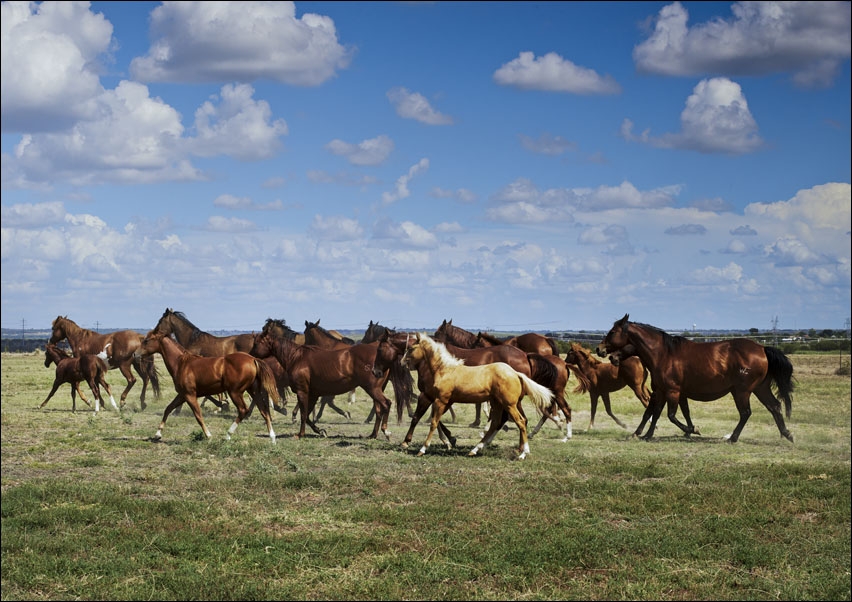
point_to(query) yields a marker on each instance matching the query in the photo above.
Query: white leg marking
(112, 401)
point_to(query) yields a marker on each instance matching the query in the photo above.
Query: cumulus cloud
(412, 105)
(744, 231)
(373, 151)
(50, 54)
(716, 119)
(217, 223)
(686, 230)
(400, 190)
(406, 233)
(553, 73)
(240, 41)
(809, 39)
(335, 228)
(824, 206)
(26, 215)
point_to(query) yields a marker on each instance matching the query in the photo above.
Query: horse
(599, 379)
(194, 375)
(314, 372)
(531, 342)
(74, 370)
(682, 369)
(121, 344)
(199, 342)
(457, 337)
(320, 337)
(375, 332)
(453, 381)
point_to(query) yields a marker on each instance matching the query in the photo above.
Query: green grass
(92, 508)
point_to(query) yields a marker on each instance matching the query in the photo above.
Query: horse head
(616, 338)
(59, 330)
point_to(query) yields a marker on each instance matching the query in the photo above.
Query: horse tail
(780, 372)
(403, 386)
(585, 384)
(542, 370)
(540, 394)
(145, 366)
(553, 346)
(267, 380)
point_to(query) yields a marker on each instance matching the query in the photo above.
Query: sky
(512, 166)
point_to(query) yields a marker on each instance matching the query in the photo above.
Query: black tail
(146, 368)
(781, 374)
(403, 386)
(543, 371)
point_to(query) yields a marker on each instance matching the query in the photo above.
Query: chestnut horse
(74, 370)
(122, 345)
(314, 372)
(682, 369)
(599, 379)
(453, 381)
(325, 339)
(195, 375)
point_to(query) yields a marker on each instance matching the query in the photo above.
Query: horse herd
(453, 366)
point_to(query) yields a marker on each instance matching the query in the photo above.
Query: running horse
(454, 382)
(537, 346)
(74, 370)
(682, 369)
(599, 379)
(121, 346)
(375, 332)
(328, 339)
(194, 375)
(314, 372)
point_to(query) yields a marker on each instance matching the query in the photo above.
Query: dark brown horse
(314, 372)
(599, 379)
(195, 375)
(74, 370)
(682, 369)
(375, 332)
(318, 336)
(122, 345)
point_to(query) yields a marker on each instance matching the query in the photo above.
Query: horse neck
(185, 331)
(172, 354)
(649, 344)
(461, 337)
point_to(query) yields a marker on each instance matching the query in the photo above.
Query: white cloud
(411, 105)
(240, 41)
(49, 72)
(217, 223)
(400, 190)
(824, 206)
(546, 144)
(808, 38)
(716, 119)
(373, 151)
(335, 228)
(25, 215)
(553, 73)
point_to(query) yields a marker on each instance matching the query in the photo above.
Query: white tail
(540, 394)
(103, 354)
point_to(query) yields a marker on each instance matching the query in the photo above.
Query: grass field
(92, 508)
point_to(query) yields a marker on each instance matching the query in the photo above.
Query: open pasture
(94, 508)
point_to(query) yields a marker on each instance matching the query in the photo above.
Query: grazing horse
(453, 381)
(195, 375)
(599, 379)
(457, 337)
(314, 372)
(682, 369)
(121, 346)
(74, 370)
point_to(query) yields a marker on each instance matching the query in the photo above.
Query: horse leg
(438, 408)
(518, 417)
(423, 404)
(56, 384)
(382, 405)
(192, 402)
(78, 386)
(496, 423)
(771, 403)
(688, 428)
(559, 402)
(176, 402)
(334, 407)
(477, 420)
(655, 408)
(594, 408)
(131, 380)
(608, 408)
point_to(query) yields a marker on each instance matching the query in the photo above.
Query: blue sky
(510, 166)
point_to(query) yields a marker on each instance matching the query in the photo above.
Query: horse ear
(417, 336)
(450, 322)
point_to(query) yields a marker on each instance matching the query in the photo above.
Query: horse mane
(442, 355)
(490, 338)
(280, 324)
(327, 333)
(577, 348)
(671, 342)
(196, 331)
(465, 337)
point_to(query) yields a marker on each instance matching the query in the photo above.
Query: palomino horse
(682, 369)
(455, 338)
(74, 370)
(599, 379)
(195, 375)
(314, 372)
(497, 383)
(122, 345)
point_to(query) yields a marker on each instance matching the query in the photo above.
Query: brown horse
(531, 342)
(328, 339)
(314, 372)
(497, 383)
(74, 370)
(195, 375)
(599, 379)
(376, 331)
(122, 345)
(682, 369)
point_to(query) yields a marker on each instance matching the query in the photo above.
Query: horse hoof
(420, 453)
(453, 441)
(473, 425)
(404, 445)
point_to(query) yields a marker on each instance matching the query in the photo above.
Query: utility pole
(775, 331)
(23, 328)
